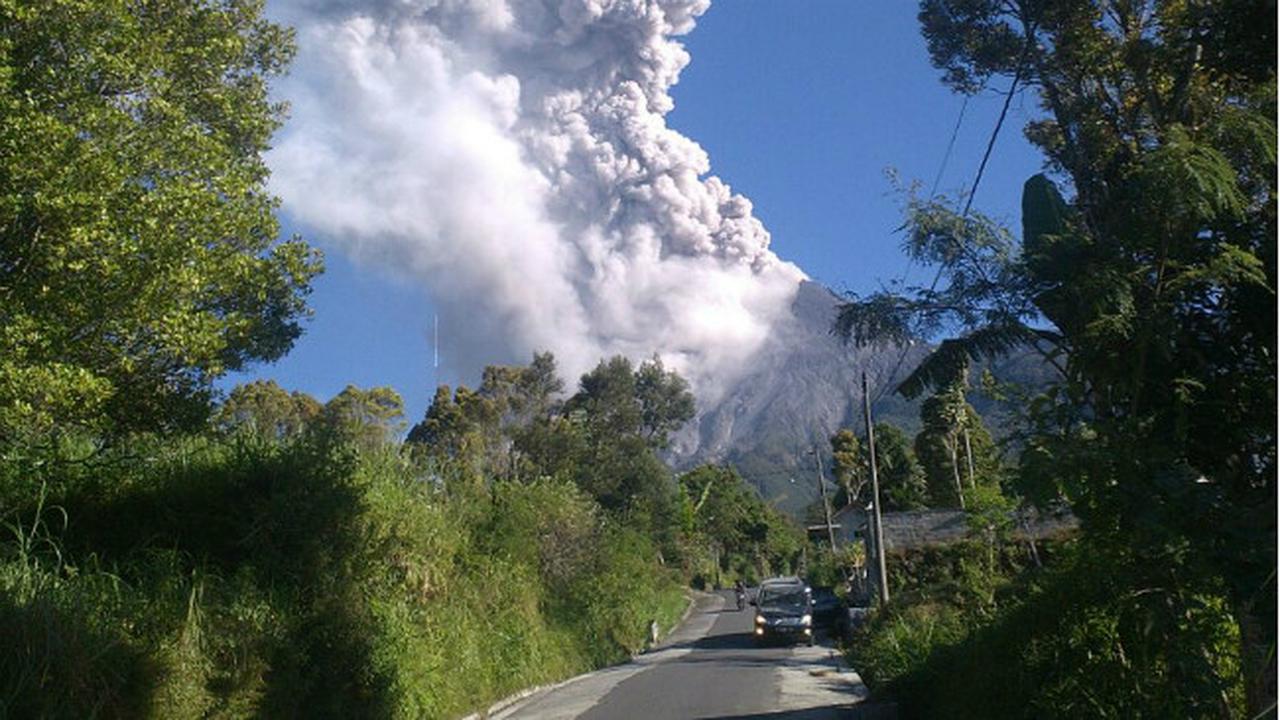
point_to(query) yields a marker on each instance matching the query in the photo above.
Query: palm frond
(949, 360)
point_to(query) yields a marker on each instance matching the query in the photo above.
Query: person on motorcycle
(740, 591)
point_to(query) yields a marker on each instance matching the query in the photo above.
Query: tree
(954, 447)
(486, 429)
(1151, 288)
(265, 409)
(648, 402)
(624, 416)
(749, 537)
(445, 429)
(138, 252)
(522, 393)
(849, 467)
(902, 484)
(665, 401)
(368, 417)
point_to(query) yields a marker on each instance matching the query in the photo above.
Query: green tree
(522, 393)
(445, 429)
(264, 408)
(139, 258)
(490, 428)
(370, 417)
(902, 483)
(954, 447)
(665, 401)
(849, 467)
(1151, 288)
(748, 537)
(625, 415)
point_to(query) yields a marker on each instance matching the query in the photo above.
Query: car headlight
(759, 619)
(807, 619)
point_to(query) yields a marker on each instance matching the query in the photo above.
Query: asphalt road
(709, 668)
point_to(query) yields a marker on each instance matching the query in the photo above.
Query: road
(709, 668)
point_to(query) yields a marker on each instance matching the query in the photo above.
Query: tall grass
(1076, 639)
(237, 577)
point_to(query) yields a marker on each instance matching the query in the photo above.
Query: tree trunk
(1258, 658)
(955, 470)
(968, 455)
(1031, 542)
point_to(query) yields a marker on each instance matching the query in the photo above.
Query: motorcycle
(742, 598)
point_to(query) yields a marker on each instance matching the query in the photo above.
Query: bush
(244, 576)
(1084, 638)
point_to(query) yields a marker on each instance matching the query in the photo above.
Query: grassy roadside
(226, 578)
(964, 638)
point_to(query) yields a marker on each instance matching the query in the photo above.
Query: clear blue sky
(802, 107)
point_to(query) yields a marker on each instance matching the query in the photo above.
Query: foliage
(1071, 641)
(750, 540)
(139, 259)
(954, 447)
(901, 478)
(371, 417)
(621, 416)
(264, 408)
(827, 569)
(1151, 289)
(849, 468)
(256, 576)
(486, 429)
(902, 483)
(604, 437)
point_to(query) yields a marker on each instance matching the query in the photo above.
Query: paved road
(709, 668)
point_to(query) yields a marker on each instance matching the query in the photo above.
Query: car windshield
(788, 599)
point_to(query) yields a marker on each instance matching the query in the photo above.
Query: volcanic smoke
(512, 156)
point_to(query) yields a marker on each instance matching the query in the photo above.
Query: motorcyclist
(740, 591)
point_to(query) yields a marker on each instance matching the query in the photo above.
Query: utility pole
(826, 505)
(968, 454)
(882, 579)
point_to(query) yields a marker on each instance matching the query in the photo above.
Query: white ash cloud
(513, 157)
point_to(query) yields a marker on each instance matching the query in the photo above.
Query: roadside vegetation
(311, 575)
(1146, 276)
(297, 558)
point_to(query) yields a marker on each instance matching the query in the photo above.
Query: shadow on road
(737, 641)
(862, 711)
(724, 641)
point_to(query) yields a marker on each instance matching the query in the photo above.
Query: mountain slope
(799, 392)
(805, 388)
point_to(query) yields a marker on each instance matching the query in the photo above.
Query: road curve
(709, 668)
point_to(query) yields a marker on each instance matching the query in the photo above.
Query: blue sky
(802, 107)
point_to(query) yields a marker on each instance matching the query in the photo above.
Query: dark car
(827, 608)
(784, 611)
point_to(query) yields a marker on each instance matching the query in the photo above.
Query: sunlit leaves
(139, 244)
(1152, 286)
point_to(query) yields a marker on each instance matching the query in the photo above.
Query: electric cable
(973, 189)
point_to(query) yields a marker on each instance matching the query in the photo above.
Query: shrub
(282, 577)
(1083, 638)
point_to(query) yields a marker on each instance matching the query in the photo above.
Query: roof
(792, 580)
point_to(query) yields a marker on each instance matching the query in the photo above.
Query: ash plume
(513, 157)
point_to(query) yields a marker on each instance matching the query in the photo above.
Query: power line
(933, 192)
(1004, 111)
(942, 168)
(951, 144)
(973, 189)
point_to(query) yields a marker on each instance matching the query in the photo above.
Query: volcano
(806, 385)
